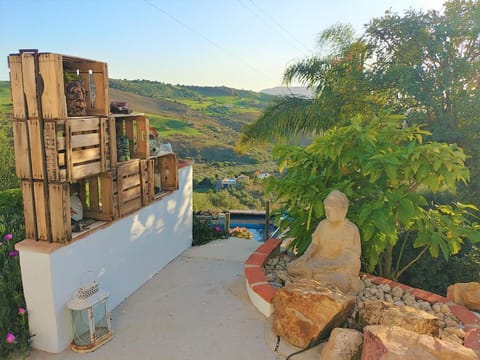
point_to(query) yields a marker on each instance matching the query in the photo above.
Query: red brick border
(257, 282)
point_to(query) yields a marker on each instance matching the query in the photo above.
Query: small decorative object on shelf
(90, 319)
(119, 107)
(75, 94)
(123, 148)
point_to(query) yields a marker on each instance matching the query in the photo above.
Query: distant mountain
(284, 90)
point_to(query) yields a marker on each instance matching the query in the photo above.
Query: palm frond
(289, 116)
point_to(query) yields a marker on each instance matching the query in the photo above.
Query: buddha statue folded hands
(334, 253)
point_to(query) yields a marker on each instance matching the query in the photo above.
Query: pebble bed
(451, 329)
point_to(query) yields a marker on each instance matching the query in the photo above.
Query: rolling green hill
(201, 123)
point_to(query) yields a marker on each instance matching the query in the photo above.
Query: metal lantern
(90, 319)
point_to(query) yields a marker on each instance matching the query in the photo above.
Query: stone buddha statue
(334, 253)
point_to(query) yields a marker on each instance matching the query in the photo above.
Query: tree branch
(406, 267)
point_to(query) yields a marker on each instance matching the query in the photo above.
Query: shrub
(14, 332)
(8, 178)
(435, 275)
(204, 231)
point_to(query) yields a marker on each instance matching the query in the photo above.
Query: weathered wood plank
(29, 210)
(169, 171)
(106, 186)
(83, 140)
(16, 86)
(143, 142)
(54, 105)
(83, 171)
(131, 206)
(36, 148)
(68, 151)
(85, 124)
(103, 145)
(100, 78)
(128, 168)
(59, 198)
(131, 194)
(29, 85)
(112, 142)
(41, 204)
(22, 155)
(131, 181)
(86, 155)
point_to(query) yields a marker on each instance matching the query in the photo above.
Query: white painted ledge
(120, 257)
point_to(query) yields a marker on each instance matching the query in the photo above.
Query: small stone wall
(261, 292)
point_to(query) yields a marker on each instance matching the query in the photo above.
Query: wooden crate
(146, 171)
(52, 68)
(166, 171)
(77, 148)
(97, 194)
(46, 211)
(129, 187)
(136, 129)
(27, 139)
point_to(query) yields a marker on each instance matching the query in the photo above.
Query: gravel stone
(451, 329)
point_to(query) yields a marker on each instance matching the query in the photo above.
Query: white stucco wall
(120, 257)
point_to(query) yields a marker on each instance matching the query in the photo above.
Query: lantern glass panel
(81, 327)
(100, 317)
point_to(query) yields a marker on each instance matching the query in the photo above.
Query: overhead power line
(278, 27)
(210, 41)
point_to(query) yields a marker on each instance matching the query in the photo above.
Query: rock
(444, 308)
(368, 283)
(397, 292)
(395, 343)
(283, 275)
(466, 294)
(425, 306)
(452, 338)
(407, 317)
(409, 299)
(272, 277)
(306, 310)
(385, 288)
(437, 307)
(451, 322)
(343, 344)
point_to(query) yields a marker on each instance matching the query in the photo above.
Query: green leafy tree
(385, 170)
(336, 77)
(429, 62)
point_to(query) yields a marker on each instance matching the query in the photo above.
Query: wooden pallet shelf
(63, 159)
(136, 129)
(165, 172)
(72, 149)
(52, 69)
(46, 211)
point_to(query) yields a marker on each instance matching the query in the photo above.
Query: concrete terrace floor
(196, 307)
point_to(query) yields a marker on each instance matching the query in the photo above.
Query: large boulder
(407, 317)
(395, 343)
(343, 344)
(307, 310)
(466, 294)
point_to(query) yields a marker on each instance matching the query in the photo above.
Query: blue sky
(245, 44)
